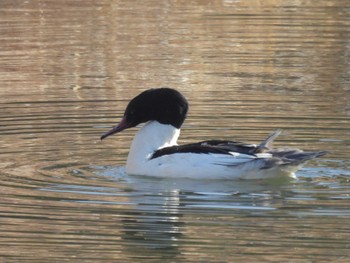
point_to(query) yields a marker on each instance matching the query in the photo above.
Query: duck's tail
(298, 157)
(267, 143)
(285, 156)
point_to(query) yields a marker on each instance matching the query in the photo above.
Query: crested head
(165, 105)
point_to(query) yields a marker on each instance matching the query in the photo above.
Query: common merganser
(154, 150)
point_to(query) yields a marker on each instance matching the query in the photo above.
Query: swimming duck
(154, 150)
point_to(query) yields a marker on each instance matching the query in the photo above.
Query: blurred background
(67, 70)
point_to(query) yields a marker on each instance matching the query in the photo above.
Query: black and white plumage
(154, 150)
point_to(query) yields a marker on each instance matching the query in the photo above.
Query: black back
(212, 146)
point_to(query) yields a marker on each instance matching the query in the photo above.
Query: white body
(154, 135)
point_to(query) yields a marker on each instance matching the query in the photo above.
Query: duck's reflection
(154, 225)
(157, 222)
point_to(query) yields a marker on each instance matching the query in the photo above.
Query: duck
(154, 150)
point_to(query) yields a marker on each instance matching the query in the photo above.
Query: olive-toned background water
(68, 69)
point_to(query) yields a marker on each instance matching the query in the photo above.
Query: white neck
(151, 137)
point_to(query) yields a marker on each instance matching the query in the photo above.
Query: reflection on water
(68, 69)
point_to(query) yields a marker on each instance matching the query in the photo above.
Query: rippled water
(68, 68)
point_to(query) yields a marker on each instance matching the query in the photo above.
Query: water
(68, 68)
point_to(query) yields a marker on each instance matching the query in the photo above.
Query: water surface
(68, 69)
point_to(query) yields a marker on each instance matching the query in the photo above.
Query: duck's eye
(131, 113)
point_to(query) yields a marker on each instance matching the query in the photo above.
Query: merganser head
(165, 105)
